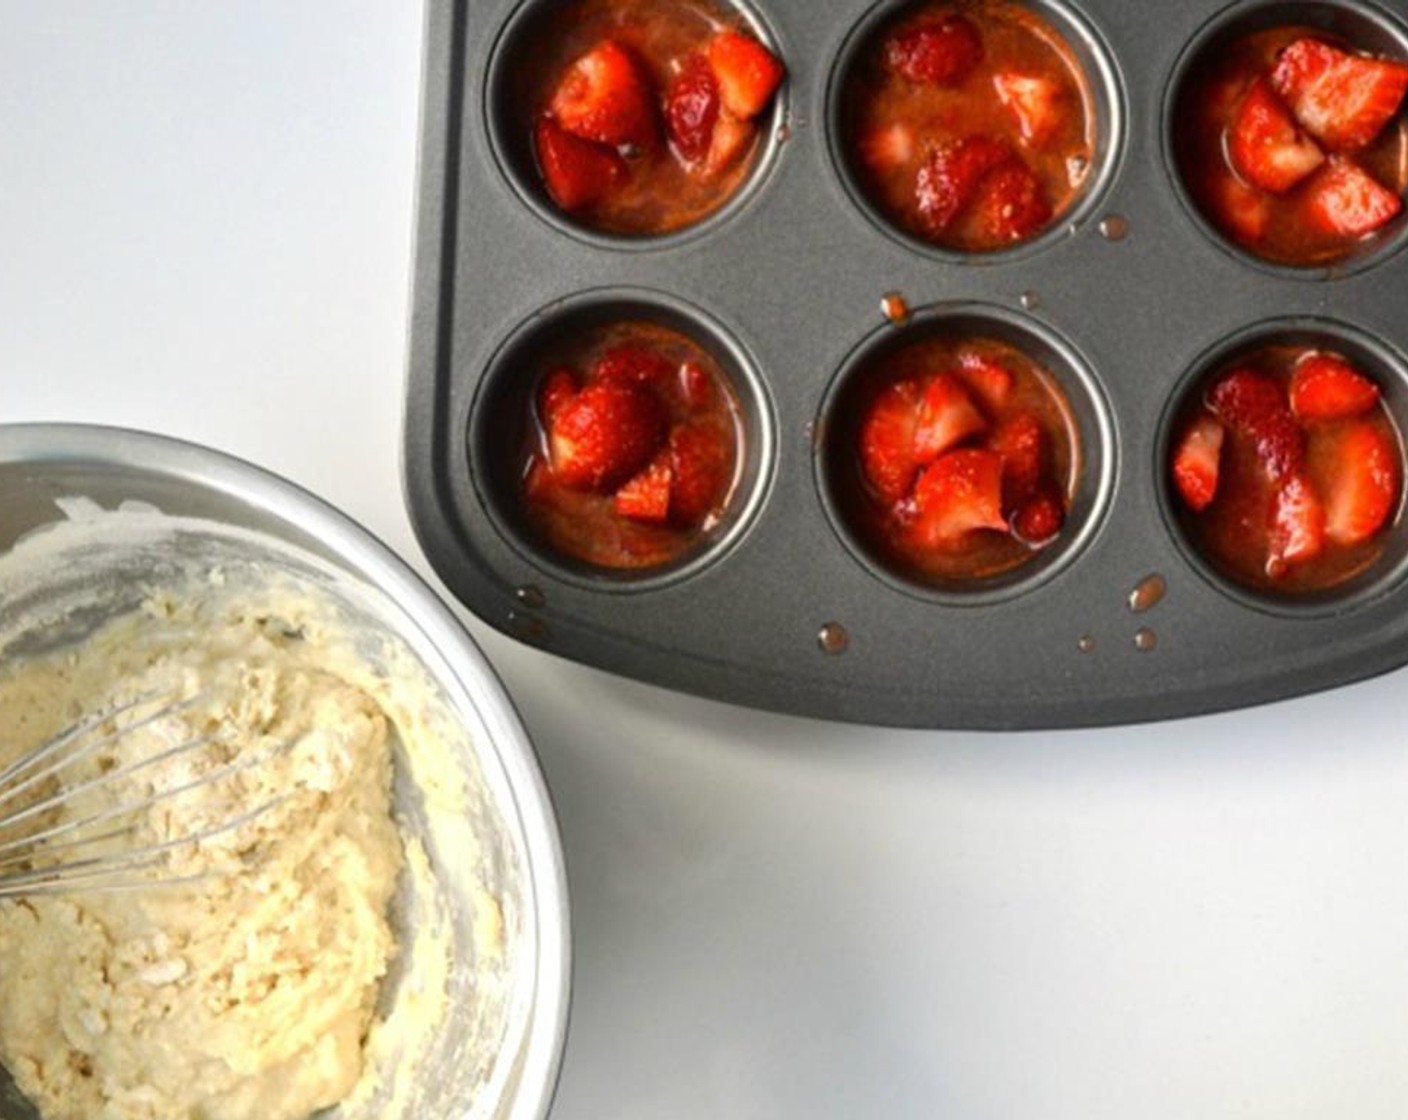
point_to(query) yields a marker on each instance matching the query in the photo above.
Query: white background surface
(205, 215)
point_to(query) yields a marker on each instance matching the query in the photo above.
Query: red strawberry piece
(888, 147)
(1020, 441)
(696, 385)
(1223, 98)
(991, 382)
(733, 139)
(1012, 204)
(1036, 102)
(1253, 405)
(1197, 463)
(947, 416)
(748, 73)
(1326, 387)
(633, 365)
(605, 97)
(604, 435)
(646, 497)
(703, 470)
(1266, 147)
(1362, 490)
(948, 181)
(1346, 201)
(939, 52)
(1297, 526)
(1242, 211)
(887, 440)
(537, 483)
(959, 493)
(692, 108)
(577, 173)
(1343, 99)
(554, 394)
(1040, 520)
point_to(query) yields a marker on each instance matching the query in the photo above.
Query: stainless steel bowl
(513, 823)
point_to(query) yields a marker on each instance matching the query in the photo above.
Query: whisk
(86, 852)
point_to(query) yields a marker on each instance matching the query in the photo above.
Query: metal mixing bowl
(491, 1059)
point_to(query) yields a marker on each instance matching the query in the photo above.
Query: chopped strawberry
(959, 493)
(558, 388)
(1326, 387)
(1343, 99)
(1254, 405)
(991, 382)
(1266, 147)
(1035, 101)
(748, 73)
(948, 181)
(1197, 463)
(1345, 200)
(1362, 490)
(1020, 441)
(947, 416)
(692, 109)
(887, 440)
(702, 472)
(696, 385)
(1297, 526)
(633, 365)
(646, 497)
(1243, 211)
(939, 52)
(1012, 204)
(1223, 97)
(1040, 519)
(604, 96)
(578, 174)
(538, 481)
(604, 435)
(732, 140)
(889, 147)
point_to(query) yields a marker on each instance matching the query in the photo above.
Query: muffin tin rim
(1372, 256)
(1107, 85)
(1218, 355)
(1016, 584)
(749, 191)
(754, 397)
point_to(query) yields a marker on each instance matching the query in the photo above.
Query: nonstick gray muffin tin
(1130, 302)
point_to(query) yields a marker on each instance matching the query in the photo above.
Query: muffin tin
(1130, 302)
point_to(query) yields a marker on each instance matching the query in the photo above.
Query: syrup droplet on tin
(1149, 594)
(784, 133)
(1086, 643)
(531, 597)
(1030, 301)
(1114, 228)
(894, 307)
(1146, 641)
(833, 639)
(527, 628)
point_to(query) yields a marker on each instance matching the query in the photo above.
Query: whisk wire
(119, 811)
(67, 849)
(70, 794)
(96, 867)
(74, 735)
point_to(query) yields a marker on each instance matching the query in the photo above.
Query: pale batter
(250, 994)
